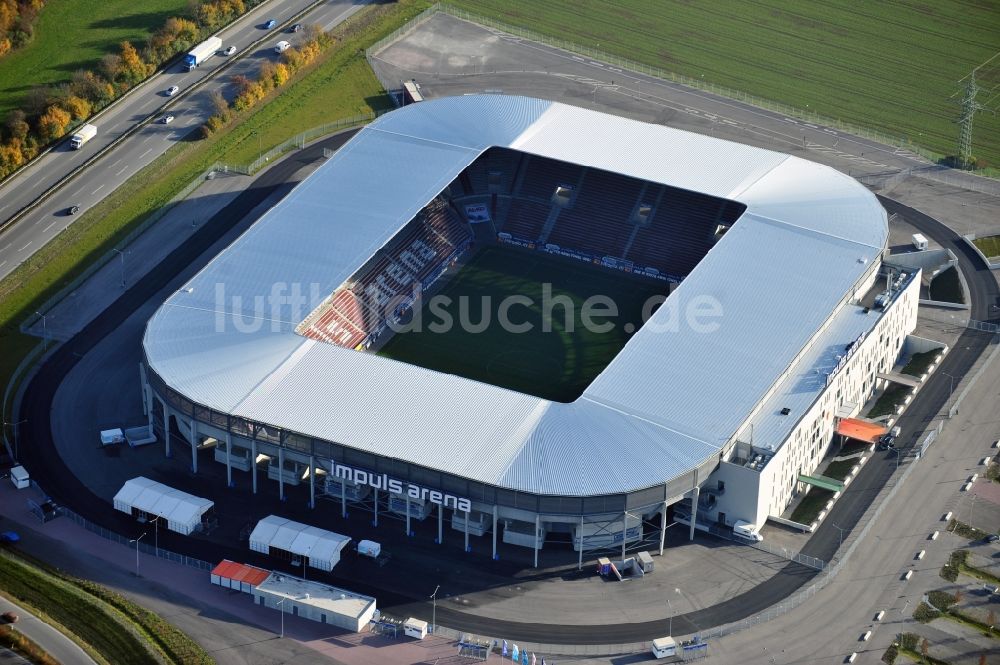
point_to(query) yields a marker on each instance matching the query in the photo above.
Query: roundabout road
(40, 455)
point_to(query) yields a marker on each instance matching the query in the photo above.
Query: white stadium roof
(807, 237)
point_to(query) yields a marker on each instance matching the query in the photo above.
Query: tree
(220, 105)
(11, 156)
(92, 87)
(53, 123)
(78, 107)
(17, 124)
(925, 646)
(281, 74)
(133, 68)
(111, 66)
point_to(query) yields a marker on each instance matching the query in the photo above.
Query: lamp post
(121, 255)
(951, 390)
(136, 541)
(156, 535)
(14, 425)
(45, 335)
(841, 530)
(282, 610)
(896, 450)
(670, 626)
(434, 609)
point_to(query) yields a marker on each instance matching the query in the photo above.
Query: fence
(145, 548)
(980, 183)
(297, 142)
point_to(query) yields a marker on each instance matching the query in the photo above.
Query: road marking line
(145, 153)
(51, 224)
(98, 189)
(2, 263)
(6, 248)
(25, 247)
(123, 170)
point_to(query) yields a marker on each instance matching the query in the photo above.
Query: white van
(281, 47)
(664, 647)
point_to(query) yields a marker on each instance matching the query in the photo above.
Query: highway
(145, 104)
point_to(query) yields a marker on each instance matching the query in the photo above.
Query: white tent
(321, 548)
(181, 510)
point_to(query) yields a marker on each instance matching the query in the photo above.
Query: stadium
(754, 316)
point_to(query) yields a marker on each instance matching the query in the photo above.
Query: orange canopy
(862, 430)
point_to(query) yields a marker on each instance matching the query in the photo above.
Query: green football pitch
(547, 350)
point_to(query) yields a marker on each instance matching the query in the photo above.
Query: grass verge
(93, 623)
(893, 395)
(811, 505)
(338, 85)
(988, 245)
(23, 646)
(919, 362)
(839, 470)
(165, 640)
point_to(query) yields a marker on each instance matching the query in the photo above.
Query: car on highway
(171, 91)
(166, 120)
(296, 28)
(281, 46)
(9, 537)
(10, 617)
(270, 24)
(72, 210)
(229, 50)
(991, 538)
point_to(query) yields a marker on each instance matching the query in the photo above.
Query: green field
(888, 66)
(556, 364)
(75, 34)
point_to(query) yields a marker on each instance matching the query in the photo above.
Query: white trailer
(202, 52)
(919, 241)
(82, 135)
(664, 647)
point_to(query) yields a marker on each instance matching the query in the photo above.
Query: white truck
(82, 135)
(747, 530)
(202, 52)
(919, 241)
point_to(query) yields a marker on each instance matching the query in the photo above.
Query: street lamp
(434, 610)
(136, 541)
(951, 390)
(45, 335)
(898, 455)
(121, 254)
(282, 610)
(156, 534)
(14, 425)
(841, 530)
(670, 626)
(972, 507)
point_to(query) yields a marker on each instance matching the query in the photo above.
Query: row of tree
(250, 91)
(17, 23)
(48, 112)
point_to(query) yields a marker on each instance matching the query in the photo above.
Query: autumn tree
(52, 124)
(133, 69)
(78, 107)
(111, 66)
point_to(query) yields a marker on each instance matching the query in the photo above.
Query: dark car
(10, 537)
(10, 617)
(992, 538)
(270, 24)
(72, 210)
(296, 28)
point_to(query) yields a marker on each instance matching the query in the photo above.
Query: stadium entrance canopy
(275, 535)
(862, 430)
(182, 511)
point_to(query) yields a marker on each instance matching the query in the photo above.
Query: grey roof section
(676, 396)
(807, 381)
